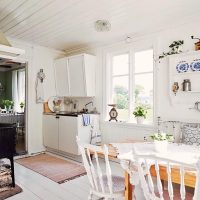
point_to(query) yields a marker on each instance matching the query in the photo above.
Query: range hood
(7, 51)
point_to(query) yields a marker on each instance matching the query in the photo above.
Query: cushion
(191, 135)
(118, 184)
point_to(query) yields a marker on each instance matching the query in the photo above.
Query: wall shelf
(187, 73)
(184, 97)
(188, 92)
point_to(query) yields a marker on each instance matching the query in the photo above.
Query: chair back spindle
(100, 178)
(145, 162)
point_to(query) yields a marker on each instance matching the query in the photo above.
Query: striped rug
(56, 169)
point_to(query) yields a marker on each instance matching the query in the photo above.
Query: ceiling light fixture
(102, 26)
(128, 39)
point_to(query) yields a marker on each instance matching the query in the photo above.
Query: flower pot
(140, 120)
(161, 146)
(22, 109)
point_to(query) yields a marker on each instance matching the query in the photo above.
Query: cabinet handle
(57, 117)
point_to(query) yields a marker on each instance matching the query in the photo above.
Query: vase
(140, 120)
(161, 146)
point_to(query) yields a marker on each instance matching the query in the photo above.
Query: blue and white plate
(195, 65)
(182, 66)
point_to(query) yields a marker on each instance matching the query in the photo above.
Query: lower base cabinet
(50, 131)
(60, 132)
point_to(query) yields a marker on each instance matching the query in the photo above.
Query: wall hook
(196, 106)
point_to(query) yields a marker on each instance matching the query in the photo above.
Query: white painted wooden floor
(37, 187)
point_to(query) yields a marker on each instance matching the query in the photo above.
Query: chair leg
(12, 171)
(90, 196)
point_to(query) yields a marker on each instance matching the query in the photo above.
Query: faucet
(91, 102)
(87, 105)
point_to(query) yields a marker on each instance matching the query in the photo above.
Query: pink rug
(10, 192)
(54, 168)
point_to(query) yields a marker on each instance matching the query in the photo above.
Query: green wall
(6, 80)
(8, 85)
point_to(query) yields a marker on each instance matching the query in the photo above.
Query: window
(132, 83)
(18, 88)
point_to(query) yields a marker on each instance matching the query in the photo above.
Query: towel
(39, 91)
(86, 119)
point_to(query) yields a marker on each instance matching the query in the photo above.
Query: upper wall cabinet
(75, 76)
(61, 77)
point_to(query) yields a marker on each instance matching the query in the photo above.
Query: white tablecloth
(187, 154)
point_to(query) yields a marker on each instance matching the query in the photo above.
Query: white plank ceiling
(69, 24)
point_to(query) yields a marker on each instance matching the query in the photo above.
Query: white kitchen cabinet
(50, 131)
(67, 134)
(69, 128)
(75, 76)
(61, 77)
(60, 133)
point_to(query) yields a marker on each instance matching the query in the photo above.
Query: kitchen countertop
(71, 114)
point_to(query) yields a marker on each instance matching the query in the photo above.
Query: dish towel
(86, 119)
(39, 91)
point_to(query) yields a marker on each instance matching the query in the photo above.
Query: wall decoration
(195, 65)
(175, 87)
(184, 71)
(39, 87)
(197, 44)
(174, 49)
(182, 66)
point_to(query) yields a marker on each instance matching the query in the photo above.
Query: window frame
(131, 50)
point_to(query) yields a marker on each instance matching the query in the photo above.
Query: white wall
(113, 132)
(163, 106)
(37, 57)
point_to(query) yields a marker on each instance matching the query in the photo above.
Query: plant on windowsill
(174, 49)
(161, 141)
(140, 114)
(7, 104)
(22, 105)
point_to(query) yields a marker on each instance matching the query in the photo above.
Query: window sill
(128, 124)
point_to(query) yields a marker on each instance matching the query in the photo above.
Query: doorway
(13, 100)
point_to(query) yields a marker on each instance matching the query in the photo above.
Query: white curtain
(18, 88)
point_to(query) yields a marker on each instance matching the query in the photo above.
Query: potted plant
(22, 104)
(7, 104)
(11, 104)
(140, 114)
(161, 141)
(175, 48)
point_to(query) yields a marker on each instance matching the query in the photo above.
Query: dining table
(188, 154)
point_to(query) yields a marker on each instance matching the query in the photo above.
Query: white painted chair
(103, 185)
(148, 184)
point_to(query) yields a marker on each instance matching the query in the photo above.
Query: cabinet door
(67, 134)
(76, 76)
(50, 131)
(61, 77)
(89, 65)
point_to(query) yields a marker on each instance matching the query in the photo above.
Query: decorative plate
(50, 102)
(182, 66)
(195, 65)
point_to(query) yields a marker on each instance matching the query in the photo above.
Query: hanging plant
(174, 49)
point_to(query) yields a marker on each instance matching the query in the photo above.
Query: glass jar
(186, 85)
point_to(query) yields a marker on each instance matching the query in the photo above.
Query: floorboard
(38, 187)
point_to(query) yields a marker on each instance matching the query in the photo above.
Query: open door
(13, 99)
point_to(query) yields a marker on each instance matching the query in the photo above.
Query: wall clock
(113, 112)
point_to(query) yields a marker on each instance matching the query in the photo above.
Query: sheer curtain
(18, 88)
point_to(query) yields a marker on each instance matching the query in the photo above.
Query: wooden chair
(103, 185)
(148, 183)
(7, 145)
